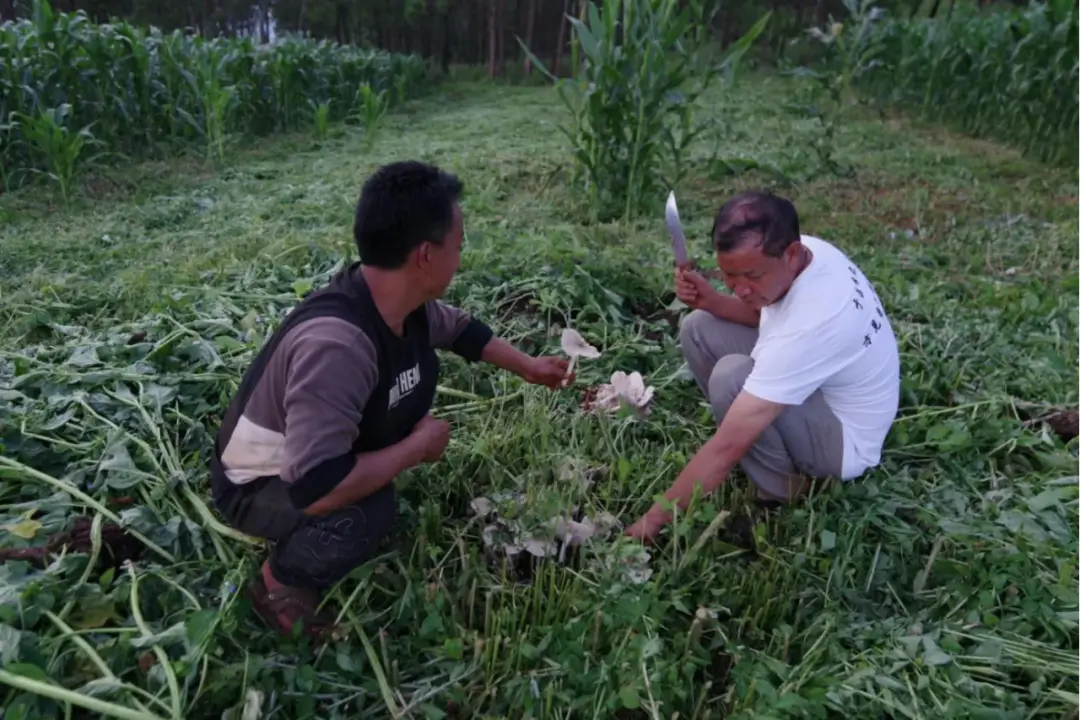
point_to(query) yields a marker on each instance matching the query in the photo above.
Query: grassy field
(942, 585)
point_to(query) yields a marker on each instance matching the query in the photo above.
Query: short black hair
(402, 205)
(757, 218)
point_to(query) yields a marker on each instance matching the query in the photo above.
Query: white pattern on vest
(406, 383)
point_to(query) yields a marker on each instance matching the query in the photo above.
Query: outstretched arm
(456, 330)
(710, 466)
(549, 371)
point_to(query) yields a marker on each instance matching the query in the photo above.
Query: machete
(678, 240)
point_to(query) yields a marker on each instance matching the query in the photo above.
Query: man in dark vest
(336, 404)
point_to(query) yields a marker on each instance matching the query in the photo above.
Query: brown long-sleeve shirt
(307, 405)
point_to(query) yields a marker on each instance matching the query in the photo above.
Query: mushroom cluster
(505, 535)
(624, 390)
(508, 540)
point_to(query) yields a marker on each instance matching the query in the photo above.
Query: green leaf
(26, 528)
(9, 644)
(28, 670)
(455, 649)
(432, 625)
(199, 626)
(827, 540)
(629, 698)
(934, 655)
(302, 287)
(85, 356)
(585, 37)
(1050, 498)
(95, 611)
(120, 470)
(345, 661)
(431, 712)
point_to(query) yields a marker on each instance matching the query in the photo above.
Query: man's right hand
(692, 289)
(432, 436)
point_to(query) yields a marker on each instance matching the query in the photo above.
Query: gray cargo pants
(805, 440)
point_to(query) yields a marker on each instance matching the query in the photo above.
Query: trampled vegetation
(943, 584)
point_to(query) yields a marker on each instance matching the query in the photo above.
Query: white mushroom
(572, 532)
(482, 506)
(575, 346)
(539, 548)
(632, 389)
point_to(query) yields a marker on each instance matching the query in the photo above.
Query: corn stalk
(639, 68)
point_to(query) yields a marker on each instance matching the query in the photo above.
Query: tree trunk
(264, 21)
(501, 69)
(560, 42)
(446, 42)
(530, 23)
(493, 37)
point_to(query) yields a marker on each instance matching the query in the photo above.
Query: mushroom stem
(569, 370)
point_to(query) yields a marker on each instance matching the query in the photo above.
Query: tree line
(448, 32)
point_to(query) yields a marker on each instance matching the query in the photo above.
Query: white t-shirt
(831, 332)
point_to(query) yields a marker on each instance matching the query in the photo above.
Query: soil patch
(1065, 422)
(117, 546)
(656, 316)
(519, 305)
(739, 531)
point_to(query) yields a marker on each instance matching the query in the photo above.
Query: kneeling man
(336, 404)
(801, 366)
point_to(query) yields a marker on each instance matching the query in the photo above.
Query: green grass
(942, 585)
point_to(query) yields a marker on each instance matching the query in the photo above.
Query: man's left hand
(548, 371)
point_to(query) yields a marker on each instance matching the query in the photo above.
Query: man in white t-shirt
(801, 366)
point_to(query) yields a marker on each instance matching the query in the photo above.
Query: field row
(74, 94)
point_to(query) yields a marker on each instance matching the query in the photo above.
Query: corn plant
(1009, 75)
(57, 146)
(370, 107)
(7, 136)
(850, 49)
(147, 91)
(639, 67)
(320, 115)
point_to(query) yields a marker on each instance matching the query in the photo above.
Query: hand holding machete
(691, 285)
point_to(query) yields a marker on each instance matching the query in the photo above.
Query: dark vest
(408, 366)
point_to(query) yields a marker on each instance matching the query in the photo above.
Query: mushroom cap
(632, 388)
(575, 346)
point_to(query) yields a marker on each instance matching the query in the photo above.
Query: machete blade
(678, 240)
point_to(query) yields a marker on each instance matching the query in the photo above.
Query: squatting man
(800, 367)
(336, 404)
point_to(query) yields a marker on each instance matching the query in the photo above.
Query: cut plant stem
(63, 695)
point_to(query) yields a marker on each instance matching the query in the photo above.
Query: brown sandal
(294, 604)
